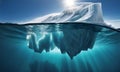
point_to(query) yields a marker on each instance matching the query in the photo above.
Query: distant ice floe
(113, 23)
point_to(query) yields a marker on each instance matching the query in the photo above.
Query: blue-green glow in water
(15, 56)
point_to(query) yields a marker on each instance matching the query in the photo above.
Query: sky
(26, 10)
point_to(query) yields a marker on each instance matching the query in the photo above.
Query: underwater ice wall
(59, 30)
(69, 40)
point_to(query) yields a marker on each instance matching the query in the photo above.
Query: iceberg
(84, 12)
(71, 30)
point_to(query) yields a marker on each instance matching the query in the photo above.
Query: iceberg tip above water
(84, 12)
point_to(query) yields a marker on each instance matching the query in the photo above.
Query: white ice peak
(83, 12)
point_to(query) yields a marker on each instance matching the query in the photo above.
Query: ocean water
(16, 56)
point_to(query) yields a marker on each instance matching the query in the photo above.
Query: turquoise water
(16, 56)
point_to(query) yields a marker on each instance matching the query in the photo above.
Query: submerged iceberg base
(70, 41)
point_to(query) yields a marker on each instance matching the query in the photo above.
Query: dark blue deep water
(16, 56)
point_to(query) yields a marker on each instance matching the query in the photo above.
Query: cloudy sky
(25, 10)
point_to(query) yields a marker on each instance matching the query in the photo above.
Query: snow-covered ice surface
(83, 12)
